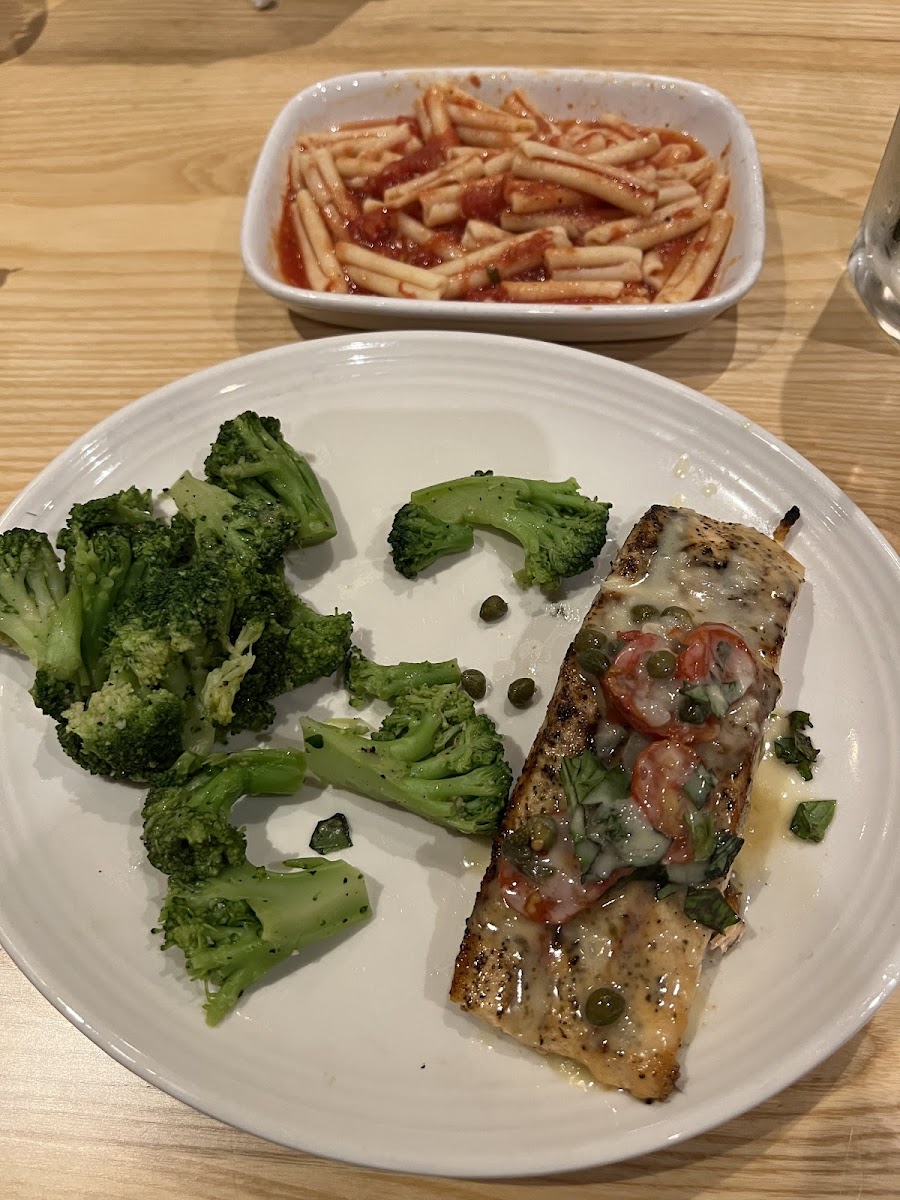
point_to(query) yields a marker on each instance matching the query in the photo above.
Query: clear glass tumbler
(874, 263)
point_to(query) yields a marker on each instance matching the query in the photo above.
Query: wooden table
(127, 136)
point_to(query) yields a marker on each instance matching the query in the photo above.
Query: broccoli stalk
(238, 925)
(367, 680)
(432, 756)
(251, 459)
(39, 615)
(187, 831)
(560, 530)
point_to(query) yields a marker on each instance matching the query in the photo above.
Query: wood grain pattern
(127, 136)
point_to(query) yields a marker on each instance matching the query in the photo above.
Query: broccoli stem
(346, 759)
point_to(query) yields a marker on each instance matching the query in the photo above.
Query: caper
(587, 639)
(474, 683)
(592, 662)
(493, 608)
(542, 832)
(681, 615)
(520, 692)
(643, 612)
(604, 1006)
(661, 664)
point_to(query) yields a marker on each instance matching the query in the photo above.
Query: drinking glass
(874, 263)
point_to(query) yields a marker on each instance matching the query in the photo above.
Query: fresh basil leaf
(812, 818)
(583, 774)
(724, 853)
(702, 833)
(699, 786)
(796, 748)
(707, 906)
(331, 834)
(655, 873)
(665, 890)
(580, 774)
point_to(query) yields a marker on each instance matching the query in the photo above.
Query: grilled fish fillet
(530, 980)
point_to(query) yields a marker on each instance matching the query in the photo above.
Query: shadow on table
(195, 32)
(847, 367)
(736, 338)
(21, 24)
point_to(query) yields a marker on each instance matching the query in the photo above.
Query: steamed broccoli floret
(169, 635)
(41, 616)
(297, 646)
(124, 730)
(561, 531)
(110, 545)
(187, 831)
(418, 538)
(432, 755)
(256, 531)
(237, 926)
(367, 680)
(251, 459)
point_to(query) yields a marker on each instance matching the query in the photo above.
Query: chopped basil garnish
(493, 275)
(331, 834)
(667, 889)
(796, 748)
(702, 833)
(812, 818)
(582, 774)
(724, 853)
(707, 906)
(699, 786)
(713, 698)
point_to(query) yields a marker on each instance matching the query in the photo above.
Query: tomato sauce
(487, 199)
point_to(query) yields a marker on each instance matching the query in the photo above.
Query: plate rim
(220, 1108)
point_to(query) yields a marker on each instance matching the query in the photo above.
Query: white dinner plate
(355, 1052)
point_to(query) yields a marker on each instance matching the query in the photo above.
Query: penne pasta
(460, 198)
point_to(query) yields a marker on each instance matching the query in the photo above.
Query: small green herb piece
(604, 1006)
(699, 786)
(707, 906)
(666, 890)
(724, 853)
(493, 608)
(812, 818)
(702, 833)
(796, 748)
(331, 834)
(582, 774)
(474, 683)
(493, 275)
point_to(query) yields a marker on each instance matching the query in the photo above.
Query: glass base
(871, 279)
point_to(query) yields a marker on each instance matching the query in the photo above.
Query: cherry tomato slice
(648, 704)
(716, 654)
(555, 900)
(657, 787)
